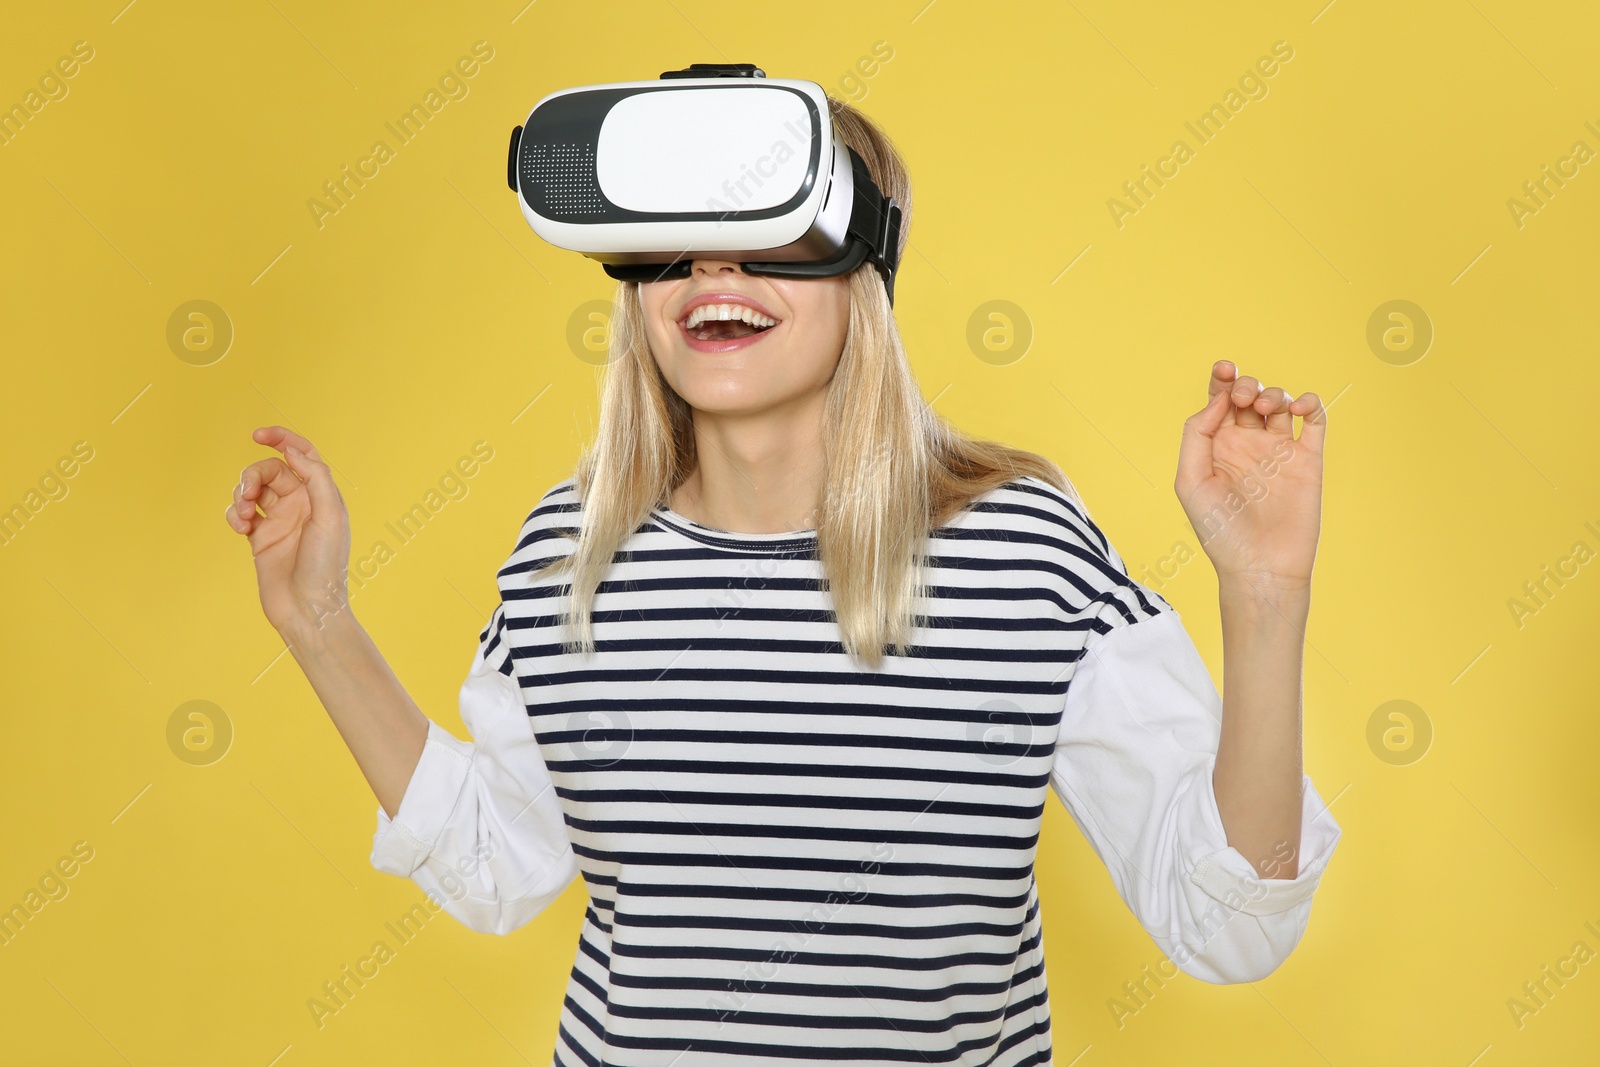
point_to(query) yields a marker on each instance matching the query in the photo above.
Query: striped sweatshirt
(793, 860)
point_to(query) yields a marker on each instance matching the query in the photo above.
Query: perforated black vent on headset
(562, 179)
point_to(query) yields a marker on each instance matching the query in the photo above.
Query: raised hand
(1251, 489)
(300, 538)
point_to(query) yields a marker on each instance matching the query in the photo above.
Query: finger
(1223, 374)
(268, 480)
(1245, 392)
(280, 438)
(258, 475)
(1273, 403)
(1314, 424)
(1194, 451)
(241, 514)
(325, 499)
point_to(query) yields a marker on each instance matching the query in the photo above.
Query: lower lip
(733, 344)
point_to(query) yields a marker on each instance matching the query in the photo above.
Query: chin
(729, 398)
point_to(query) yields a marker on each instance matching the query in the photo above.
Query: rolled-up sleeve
(480, 827)
(1134, 765)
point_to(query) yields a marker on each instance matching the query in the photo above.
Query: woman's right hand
(301, 537)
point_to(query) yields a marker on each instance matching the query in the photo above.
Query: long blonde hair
(895, 468)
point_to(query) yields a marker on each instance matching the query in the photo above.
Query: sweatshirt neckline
(791, 541)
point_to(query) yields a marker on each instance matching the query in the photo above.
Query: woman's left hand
(1251, 489)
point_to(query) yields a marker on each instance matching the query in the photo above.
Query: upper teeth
(727, 311)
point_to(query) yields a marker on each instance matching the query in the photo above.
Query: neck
(756, 473)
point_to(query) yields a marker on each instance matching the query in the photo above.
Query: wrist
(1281, 591)
(318, 632)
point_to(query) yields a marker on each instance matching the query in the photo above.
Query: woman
(787, 669)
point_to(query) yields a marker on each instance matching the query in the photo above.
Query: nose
(715, 266)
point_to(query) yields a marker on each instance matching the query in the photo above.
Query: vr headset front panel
(682, 166)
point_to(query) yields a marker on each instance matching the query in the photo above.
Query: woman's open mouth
(724, 327)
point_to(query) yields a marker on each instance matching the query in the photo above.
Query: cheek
(824, 315)
(820, 344)
(832, 320)
(650, 304)
(656, 331)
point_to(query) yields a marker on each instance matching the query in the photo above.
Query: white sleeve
(1133, 766)
(480, 828)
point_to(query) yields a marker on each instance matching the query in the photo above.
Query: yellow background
(425, 316)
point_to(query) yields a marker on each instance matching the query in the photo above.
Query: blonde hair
(895, 468)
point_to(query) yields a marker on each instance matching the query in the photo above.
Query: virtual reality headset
(716, 161)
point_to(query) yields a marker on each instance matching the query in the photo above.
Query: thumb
(1194, 452)
(325, 499)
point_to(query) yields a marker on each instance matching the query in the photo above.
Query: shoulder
(1032, 506)
(1030, 511)
(548, 531)
(1053, 531)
